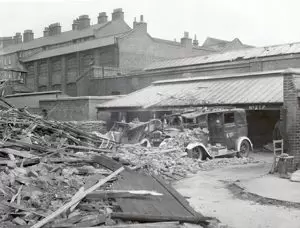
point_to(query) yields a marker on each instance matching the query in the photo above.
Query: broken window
(228, 117)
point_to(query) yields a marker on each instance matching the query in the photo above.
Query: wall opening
(261, 125)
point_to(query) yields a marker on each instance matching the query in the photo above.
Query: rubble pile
(210, 164)
(52, 175)
(29, 194)
(181, 139)
(90, 126)
(170, 164)
(43, 164)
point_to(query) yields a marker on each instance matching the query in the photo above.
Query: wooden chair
(278, 151)
(280, 162)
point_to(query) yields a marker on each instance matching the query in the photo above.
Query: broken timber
(75, 200)
(170, 207)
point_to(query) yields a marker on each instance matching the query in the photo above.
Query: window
(228, 117)
(9, 60)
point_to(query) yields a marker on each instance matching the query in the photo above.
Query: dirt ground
(208, 193)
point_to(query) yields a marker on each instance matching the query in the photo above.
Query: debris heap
(53, 174)
(170, 164)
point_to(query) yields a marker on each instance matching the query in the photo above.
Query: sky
(254, 22)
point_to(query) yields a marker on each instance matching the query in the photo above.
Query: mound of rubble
(170, 164)
(90, 126)
(53, 174)
(182, 138)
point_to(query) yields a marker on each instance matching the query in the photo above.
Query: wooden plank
(88, 148)
(23, 154)
(91, 222)
(20, 143)
(75, 200)
(142, 225)
(22, 208)
(159, 218)
(99, 195)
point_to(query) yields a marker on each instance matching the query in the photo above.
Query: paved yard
(209, 194)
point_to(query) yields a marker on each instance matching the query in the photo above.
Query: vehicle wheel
(198, 153)
(244, 149)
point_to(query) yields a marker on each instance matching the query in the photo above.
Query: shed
(260, 93)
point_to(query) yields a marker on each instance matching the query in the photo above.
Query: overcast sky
(254, 22)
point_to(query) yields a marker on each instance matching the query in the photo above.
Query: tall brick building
(70, 60)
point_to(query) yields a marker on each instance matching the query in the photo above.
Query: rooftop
(252, 88)
(56, 39)
(243, 54)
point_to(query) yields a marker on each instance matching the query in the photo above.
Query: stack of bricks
(291, 115)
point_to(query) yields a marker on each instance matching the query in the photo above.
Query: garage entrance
(260, 126)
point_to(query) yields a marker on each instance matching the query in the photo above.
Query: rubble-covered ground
(171, 164)
(43, 164)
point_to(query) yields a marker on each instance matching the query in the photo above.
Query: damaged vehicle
(145, 133)
(226, 132)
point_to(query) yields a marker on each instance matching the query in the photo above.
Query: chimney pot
(102, 18)
(83, 22)
(28, 35)
(195, 41)
(54, 29)
(75, 24)
(17, 38)
(186, 41)
(141, 25)
(186, 34)
(46, 32)
(117, 14)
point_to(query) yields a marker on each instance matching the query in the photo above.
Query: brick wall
(138, 50)
(29, 81)
(292, 116)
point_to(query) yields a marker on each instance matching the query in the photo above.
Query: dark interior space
(260, 126)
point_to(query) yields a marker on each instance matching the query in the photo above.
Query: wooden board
(170, 204)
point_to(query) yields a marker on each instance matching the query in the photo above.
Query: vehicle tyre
(198, 153)
(244, 149)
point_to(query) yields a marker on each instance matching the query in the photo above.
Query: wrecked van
(227, 132)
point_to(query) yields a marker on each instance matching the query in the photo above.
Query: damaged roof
(243, 54)
(250, 88)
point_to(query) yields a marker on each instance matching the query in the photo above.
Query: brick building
(291, 113)
(73, 61)
(259, 93)
(255, 59)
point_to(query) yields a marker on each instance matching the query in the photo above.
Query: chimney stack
(18, 38)
(141, 25)
(186, 41)
(54, 29)
(46, 32)
(75, 24)
(195, 41)
(83, 22)
(28, 35)
(117, 14)
(102, 18)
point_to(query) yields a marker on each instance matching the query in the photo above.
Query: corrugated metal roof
(72, 48)
(247, 53)
(238, 89)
